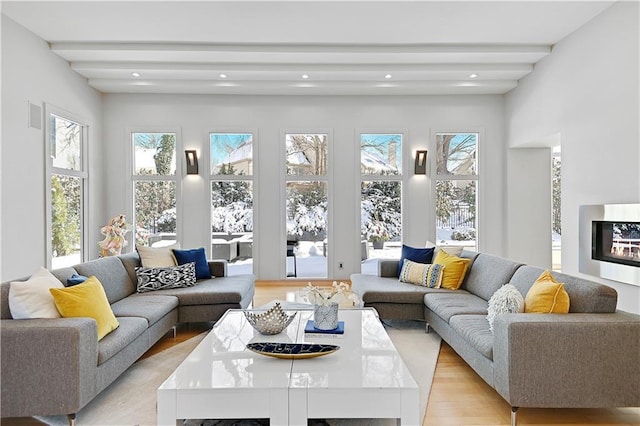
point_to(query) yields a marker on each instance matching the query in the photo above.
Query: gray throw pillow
(150, 279)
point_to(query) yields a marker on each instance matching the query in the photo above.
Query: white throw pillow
(454, 251)
(32, 299)
(506, 300)
(157, 257)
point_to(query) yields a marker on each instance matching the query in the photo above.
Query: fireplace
(610, 242)
(616, 242)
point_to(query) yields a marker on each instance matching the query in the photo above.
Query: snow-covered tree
(231, 204)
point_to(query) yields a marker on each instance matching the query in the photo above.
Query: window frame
(82, 174)
(255, 183)
(133, 178)
(453, 177)
(403, 177)
(285, 178)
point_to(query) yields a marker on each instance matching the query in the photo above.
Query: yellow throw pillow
(455, 269)
(547, 296)
(86, 300)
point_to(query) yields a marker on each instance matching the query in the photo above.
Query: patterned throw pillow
(506, 300)
(150, 279)
(423, 274)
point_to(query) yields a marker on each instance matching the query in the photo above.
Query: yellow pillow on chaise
(455, 269)
(547, 296)
(87, 299)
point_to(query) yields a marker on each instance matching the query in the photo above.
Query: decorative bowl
(270, 322)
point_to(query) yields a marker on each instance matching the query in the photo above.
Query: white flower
(337, 293)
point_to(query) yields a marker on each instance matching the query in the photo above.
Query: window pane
(154, 153)
(456, 153)
(556, 209)
(231, 207)
(306, 228)
(381, 154)
(381, 221)
(231, 153)
(155, 209)
(66, 220)
(66, 143)
(306, 154)
(456, 212)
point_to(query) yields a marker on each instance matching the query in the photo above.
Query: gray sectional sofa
(56, 366)
(588, 358)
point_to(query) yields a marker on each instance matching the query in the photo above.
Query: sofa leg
(427, 328)
(514, 415)
(174, 329)
(72, 419)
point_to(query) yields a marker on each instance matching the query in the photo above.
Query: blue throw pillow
(194, 255)
(420, 255)
(76, 279)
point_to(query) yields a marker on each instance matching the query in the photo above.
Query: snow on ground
(311, 262)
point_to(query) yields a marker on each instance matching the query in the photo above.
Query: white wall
(31, 73)
(419, 116)
(587, 94)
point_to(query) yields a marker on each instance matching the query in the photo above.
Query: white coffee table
(221, 379)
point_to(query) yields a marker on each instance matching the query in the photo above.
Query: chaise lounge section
(587, 358)
(57, 366)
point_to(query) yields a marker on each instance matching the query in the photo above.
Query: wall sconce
(421, 162)
(192, 161)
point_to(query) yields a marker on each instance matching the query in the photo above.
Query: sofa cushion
(198, 256)
(547, 296)
(455, 269)
(31, 298)
(474, 329)
(221, 290)
(424, 274)
(157, 257)
(130, 328)
(86, 300)
(585, 296)
(63, 274)
(152, 279)
(488, 273)
(152, 307)
(112, 275)
(375, 289)
(446, 305)
(420, 255)
(506, 300)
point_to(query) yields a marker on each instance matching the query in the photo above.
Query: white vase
(325, 317)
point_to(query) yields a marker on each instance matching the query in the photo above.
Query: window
(66, 189)
(232, 200)
(380, 196)
(306, 204)
(456, 187)
(154, 188)
(556, 204)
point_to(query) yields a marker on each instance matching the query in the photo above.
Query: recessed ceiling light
(223, 76)
(305, 76)
(135, 74)
(473, 76)
(387, 76)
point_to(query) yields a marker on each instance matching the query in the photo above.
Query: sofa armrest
(568, 360)
(48, 365)
(218, 267)
(388, 267)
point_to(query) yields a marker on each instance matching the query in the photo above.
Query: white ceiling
(264, 47)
